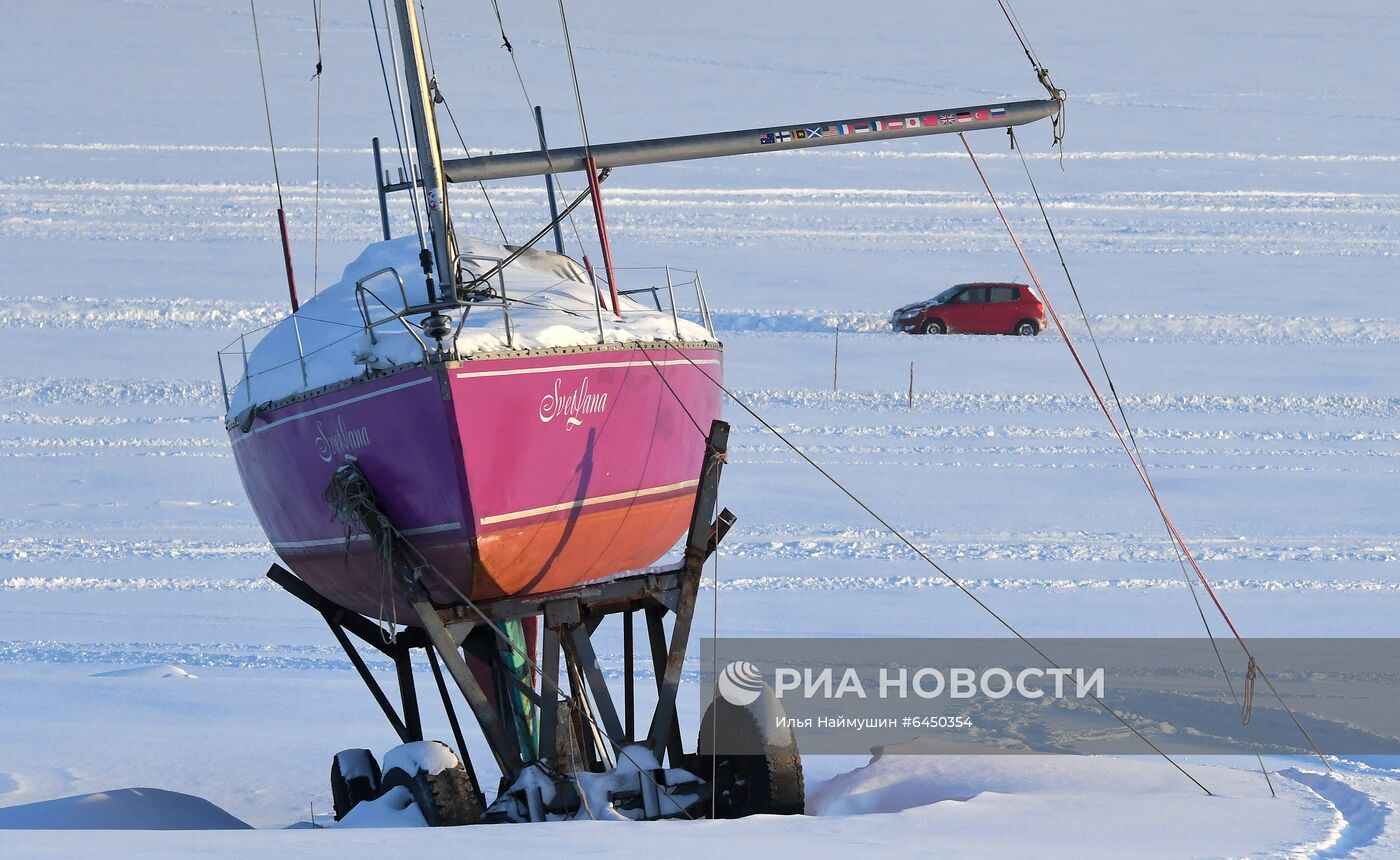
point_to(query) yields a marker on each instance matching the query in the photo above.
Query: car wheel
(1027, 328)
(934, 327)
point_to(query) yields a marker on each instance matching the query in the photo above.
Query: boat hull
(513, 473)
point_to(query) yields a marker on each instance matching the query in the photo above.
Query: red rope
(1127, 449)
(1103, 406)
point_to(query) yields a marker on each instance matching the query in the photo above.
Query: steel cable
(1122, 440)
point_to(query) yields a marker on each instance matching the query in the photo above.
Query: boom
(752, 140)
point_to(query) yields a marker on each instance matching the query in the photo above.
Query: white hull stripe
(307, 544)
(558, 368)
(595, 500)
(258, 428)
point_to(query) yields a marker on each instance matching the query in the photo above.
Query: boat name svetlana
(571, 404)
(341, 440)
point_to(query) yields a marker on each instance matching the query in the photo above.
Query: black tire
(446, 799)
(1026, 328)
(933, 327)
(362, 786)
(759, 771)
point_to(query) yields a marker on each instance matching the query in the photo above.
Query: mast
(425, 140)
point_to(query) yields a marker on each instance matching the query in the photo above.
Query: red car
(975, 309)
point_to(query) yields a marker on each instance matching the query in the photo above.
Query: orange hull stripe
(560, 553)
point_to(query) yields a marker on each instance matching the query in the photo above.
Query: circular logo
(740, 683)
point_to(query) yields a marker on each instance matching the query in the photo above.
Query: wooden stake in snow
(836, 360)
(911, 385)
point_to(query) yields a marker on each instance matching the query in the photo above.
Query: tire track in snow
(1186, 328)
(98, 443)
(1311, 405)
(1023, 431)
(53, 391)
(1244, 220)
(796, 543)
(854, 545)
(35, 419)
(101, 313)
(903, 452)
(33, 547)
(140, 583)
(58, 391)
(978, 459)
(1361, 818)
(808, 584)
(223, 655)
(64, 584)
(305, 658)
(49, 447)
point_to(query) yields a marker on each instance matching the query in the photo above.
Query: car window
(972, 295)
(1004, 294)
(945, 296)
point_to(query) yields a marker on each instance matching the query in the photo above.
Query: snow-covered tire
(446, 798)
(1026, 328)
(760, 770)
(354, 778)
(933, 327)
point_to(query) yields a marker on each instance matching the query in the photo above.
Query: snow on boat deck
(552, 306)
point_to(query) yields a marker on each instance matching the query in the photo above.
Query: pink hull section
(513, 474)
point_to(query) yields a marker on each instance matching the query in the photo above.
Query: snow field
(1230, 217)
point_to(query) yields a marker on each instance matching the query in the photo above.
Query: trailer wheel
(759, 771)
(354, 778)
(446, 798)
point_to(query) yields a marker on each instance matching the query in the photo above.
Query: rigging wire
(316, 13)
(904, 539)
(1059, 122)
(276, 174)
(530, 106)
(599, 224)
(573, 74)
(409, 147)
(1137, 465)
(399, 129)
(522, 248)
(440, 98)
(1132, 437)
(267, 107)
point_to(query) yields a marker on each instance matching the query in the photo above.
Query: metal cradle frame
(567, 660)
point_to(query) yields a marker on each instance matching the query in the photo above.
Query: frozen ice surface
(1230, 208)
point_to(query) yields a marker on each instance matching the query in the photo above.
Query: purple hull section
(511, 473)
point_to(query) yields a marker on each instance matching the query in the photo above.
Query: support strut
(571, 617)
